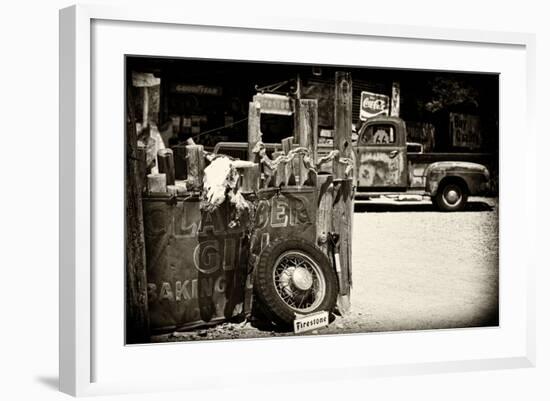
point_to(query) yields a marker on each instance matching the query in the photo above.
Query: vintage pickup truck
(387, 165)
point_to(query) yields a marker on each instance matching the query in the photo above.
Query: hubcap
(302, 278)
(452, 196)
(299, 281)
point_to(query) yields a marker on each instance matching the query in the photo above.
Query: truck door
(382, 156)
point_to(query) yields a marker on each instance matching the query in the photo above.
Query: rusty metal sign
(465, 130)
(373, 104)
(284, 213)
(270, 103)
(196, 266)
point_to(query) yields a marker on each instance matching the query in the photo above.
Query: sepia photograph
(268, 199)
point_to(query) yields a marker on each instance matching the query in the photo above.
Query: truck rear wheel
(451, 197)
(294, 277)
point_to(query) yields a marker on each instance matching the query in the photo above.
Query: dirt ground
(413, 268)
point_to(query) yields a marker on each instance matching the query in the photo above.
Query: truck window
(382, 134)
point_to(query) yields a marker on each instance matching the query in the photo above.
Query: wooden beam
(254, 133)
(324, 214)
(306, 129)
(195, 167)
(343, 186)
(342, 119)
(395, 98)
(289, 178)
(144, 79)
(165, 159)
(137, 312)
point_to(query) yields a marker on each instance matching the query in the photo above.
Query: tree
(449, 92)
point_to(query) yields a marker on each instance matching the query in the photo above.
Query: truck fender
(474, 176)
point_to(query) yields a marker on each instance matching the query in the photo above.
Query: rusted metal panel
(465, 130)
(475, 176)
(378, 168)
(284, 213)
(417, 174)
(196, 266)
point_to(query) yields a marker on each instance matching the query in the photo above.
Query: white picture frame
(82, 345)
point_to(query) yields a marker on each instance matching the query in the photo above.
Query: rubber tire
(443, 206)
(264, 288)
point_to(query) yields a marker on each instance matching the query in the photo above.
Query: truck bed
(486, 159)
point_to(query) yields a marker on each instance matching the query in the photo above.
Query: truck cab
(381, 155)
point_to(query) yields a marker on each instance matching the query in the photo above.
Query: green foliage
(448, 92)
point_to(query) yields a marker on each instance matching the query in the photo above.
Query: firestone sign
(374, 104)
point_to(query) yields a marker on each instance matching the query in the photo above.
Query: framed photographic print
(257, 191)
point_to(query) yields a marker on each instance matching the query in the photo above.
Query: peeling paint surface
(378, 168)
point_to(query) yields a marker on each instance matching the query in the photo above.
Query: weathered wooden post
(306, 127)
(180, 162)
(144, 81)
(250, 178)
(137, 312)
(254, 133)
(165, 159)
(395, 99)
(324, 214)
(195, 167)
(279, 174)
(142, 156)
(343, 186)
(289, 169)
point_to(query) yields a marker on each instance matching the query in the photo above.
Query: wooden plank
(144, 79)
(195, 167)
(250, 178)
(343, 187)
(254, 133)
(180, 162)
(142, 156)
(342, 119)
(286, 144)
(324, 214)
(145, 107)
(306, 130)
(395, 99)
(156, 183)
(137, 312)
(165, 159)
(279, 174)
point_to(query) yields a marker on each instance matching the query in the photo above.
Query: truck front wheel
(451, 197)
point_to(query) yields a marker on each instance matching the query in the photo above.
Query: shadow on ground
(51, 382)
(478, 206)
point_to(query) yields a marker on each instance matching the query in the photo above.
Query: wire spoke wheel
(299, 281)
(293, 277)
